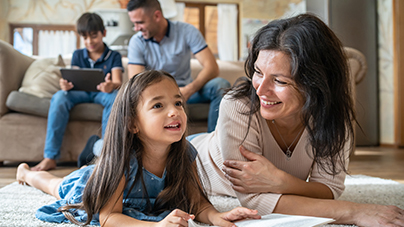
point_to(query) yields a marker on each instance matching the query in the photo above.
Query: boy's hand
(239, 213)
(106, 86)
(65, 85)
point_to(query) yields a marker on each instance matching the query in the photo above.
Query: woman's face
(277, 91)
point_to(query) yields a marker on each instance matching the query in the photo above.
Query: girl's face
(161, 116)
(277, 91)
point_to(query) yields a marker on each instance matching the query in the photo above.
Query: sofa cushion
(13, 65)
(42, 77)
(30, 104)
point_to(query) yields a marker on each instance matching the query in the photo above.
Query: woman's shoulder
(230, 101)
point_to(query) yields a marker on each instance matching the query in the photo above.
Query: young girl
(146, 174)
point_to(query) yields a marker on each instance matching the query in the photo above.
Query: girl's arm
(111, 213)
(213, 217)
(206, 213)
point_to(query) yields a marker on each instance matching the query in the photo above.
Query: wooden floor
(380, 162)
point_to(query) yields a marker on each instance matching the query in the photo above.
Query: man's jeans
(58, 116)
(211, 93)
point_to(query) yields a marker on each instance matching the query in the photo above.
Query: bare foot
(46, 164)
(22, 170)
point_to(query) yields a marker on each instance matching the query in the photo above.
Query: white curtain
(180, 12)
(227, 32)
(53, 43)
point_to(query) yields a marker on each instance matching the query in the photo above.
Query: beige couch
(23, 116)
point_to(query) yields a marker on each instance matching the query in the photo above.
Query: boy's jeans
(58, 116)
(211, 93)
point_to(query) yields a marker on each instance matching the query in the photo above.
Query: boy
(95, 55)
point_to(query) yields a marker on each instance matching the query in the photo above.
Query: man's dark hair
(147, 5)
(89, 23)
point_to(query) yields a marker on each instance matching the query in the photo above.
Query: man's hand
(65, 85)
(106, 86)
(186, 93)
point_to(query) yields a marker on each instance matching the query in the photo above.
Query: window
(33, 39)
(204, 16)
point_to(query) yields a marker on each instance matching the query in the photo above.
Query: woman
(293, 118)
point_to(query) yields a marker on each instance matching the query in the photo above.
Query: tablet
(83, 79)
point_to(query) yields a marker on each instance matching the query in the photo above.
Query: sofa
(23, 116)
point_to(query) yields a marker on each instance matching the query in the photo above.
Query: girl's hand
(257, 175)
(378, 215)
(106, 86)
(239, 213)
(65, 85)
(176, 218)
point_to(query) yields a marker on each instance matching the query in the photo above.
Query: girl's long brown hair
(183, 188)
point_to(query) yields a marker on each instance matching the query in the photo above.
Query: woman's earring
(135, 130)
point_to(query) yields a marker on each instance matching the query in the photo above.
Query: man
(161, 44)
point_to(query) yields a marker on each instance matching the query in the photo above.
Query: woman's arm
(343, 212)
(251, 172)
(259, 175)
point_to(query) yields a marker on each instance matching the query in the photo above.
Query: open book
(278, 220)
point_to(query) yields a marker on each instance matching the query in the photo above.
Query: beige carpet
(18, 203)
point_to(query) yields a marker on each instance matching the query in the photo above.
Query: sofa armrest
(13, 65)
(229, 70)
(357, 64)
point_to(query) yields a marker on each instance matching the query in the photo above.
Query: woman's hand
(176, 218)
(239, 213)
(378, 215)
(107, 86)
(256, 175)
(65, 85)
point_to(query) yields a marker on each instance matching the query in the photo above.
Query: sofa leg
(1, 163)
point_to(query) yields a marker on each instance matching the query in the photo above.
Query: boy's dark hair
(147, 5)
(89, 23)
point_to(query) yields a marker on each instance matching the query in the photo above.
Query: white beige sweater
(223, 143)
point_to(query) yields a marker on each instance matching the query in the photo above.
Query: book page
(278, 220)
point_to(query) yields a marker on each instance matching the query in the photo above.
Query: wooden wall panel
(398, 36)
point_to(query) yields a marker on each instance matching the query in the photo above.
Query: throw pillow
(42, 77)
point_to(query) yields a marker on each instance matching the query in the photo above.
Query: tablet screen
(83, 79)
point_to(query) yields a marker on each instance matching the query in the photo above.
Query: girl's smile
(162, 119)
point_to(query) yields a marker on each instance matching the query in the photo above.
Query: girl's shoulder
(192, 151)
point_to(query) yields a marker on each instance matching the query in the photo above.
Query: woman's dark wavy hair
(320, 69)
(121, 145)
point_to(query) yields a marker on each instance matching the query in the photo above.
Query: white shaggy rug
(18, 203)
